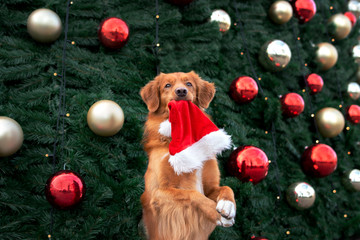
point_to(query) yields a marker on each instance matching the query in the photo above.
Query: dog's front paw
(225, 222)
(226, 208)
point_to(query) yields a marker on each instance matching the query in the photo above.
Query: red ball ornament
(292, 104)
(248, 163)
(113, 33)
(353, 114)
(259, 238)
(304, 10)
(315, 83)
(180, 2)
(243, 89)
(319, 160)
(351, 17)
(65, 189)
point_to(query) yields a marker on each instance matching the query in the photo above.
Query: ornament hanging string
(301, 62)
(241, 28)
(60, 123)
(156, 44)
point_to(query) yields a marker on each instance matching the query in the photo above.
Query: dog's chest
(199, 184)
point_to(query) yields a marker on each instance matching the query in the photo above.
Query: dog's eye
(188, 84)
(168, 85)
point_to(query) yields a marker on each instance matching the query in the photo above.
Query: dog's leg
(148, 217)
(223, 196)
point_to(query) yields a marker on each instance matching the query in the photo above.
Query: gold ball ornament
(222, 18)
(351, 180)
(339, 26)
(326, 55)
(353, 90)
(330, 122)
(300, 195)
(44, 25)
(275, 55)
(105, 118)
(354, 7)
(11, 136)
(280, 12)
(356, 53)
(358, 75)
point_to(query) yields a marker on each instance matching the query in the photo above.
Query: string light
(266, 132)
(348, 128)
(303, 90)
(242, 53)
(266, 98)
(259, 78)
(333, 40)
(287, 232)
(312, 115)
(348, 152)
(68, 114)
(158, 44)
(55, 74)
(305, 64)
(340, 106)
(157, 16)
(72, 42)
(331, 7)
(269, 161)
(46, 155)
(317, 141)
(334, 191)
(345, 215)
(278, 197)
(298, 38)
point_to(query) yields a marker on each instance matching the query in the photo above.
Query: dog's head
(177, 86)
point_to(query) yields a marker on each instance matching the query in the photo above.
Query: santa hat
(195, 138)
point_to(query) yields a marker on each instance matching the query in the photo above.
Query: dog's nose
(181, 91)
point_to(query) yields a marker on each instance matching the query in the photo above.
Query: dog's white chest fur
(199, 184)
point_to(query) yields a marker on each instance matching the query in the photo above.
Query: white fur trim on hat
(165, 128)
(193, 157)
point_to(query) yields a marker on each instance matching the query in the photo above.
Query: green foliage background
(113, 167)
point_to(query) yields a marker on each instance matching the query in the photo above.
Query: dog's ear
(205, 91)
(150, 95)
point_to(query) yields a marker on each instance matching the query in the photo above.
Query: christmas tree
(170, 38)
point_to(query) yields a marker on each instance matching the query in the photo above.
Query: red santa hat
(195, 138)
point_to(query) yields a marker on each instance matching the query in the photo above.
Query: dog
(187, 206)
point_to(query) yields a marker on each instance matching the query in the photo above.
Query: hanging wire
(60, 125)
(302, 69)
(242, 34)
(243, 38)
(156, 44)
(324, 8)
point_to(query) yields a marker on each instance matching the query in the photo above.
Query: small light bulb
(68, 114)
(334, 191)
(266, 98)
(312, 115)
(46, 155)
(288, 232)
(317, 141)
(266, 132)
(55, 74)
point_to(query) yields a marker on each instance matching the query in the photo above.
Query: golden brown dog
(190, 205)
